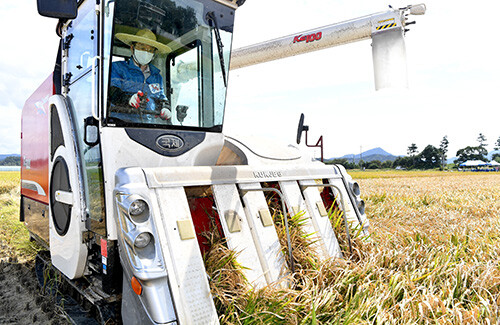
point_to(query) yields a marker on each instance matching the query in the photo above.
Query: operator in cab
(136, 86)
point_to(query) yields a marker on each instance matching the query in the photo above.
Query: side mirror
(62, 9)
(91, 131)
(301, 128)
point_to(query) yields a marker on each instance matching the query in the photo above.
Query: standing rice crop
(14, 238)
(435, 244)
(432, 258)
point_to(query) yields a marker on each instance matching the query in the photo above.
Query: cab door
(80, 84)
(77, 195)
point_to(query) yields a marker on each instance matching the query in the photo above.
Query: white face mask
(143, 57)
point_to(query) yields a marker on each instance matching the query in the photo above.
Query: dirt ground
(21, 299)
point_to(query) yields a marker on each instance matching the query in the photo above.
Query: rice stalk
(227, 281)
(433, 258)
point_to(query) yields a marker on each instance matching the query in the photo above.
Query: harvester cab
(125, 167)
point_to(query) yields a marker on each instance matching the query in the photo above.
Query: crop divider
(343, 207)
(285, 217)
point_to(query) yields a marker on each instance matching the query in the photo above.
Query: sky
(453, 72)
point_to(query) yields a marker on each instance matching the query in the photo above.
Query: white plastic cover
(389, 59)
(68, 252)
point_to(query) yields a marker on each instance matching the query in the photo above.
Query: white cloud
(27, 58)
(10, 129)
(454, 75)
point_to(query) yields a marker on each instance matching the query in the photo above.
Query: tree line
(11, 161)
(430, 157)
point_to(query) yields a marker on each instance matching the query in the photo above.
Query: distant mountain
(370, 155)
(451, 160)
(3, 156)
(382, 155)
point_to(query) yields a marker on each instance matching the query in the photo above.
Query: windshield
(169, 63)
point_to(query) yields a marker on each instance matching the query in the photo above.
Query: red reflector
(104, 247)
(136, 286)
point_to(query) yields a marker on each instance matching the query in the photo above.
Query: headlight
(355, 188)
(137, 207)
(361, 206)
(138, 239)
(142, 240)
(136, 230)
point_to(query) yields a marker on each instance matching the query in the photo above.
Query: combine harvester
(119, 195)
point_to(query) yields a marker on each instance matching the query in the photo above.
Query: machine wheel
(61, 213)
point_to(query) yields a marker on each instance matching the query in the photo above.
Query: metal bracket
(233, 221)
(87, 236)
(67, 42)
(67, 79)
(64, 197)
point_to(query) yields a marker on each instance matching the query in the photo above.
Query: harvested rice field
(432, 257)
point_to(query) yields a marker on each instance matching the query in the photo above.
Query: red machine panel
(35, 144)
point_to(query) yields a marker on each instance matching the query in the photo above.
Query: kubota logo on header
(308, 38)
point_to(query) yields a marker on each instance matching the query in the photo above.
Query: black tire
(59, 181)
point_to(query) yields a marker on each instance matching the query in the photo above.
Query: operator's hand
(166, 113)
(138, 100)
